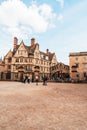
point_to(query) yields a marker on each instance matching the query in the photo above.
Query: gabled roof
(8, 53)
(50, 55)
(29, 49)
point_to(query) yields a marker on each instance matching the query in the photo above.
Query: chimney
(47, 51)
(32, 42)
(15, 42)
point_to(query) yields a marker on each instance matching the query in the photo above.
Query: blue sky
(59, 25)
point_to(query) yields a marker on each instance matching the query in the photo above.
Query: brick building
(28, 61)
(78, 65)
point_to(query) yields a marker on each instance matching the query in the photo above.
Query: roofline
(78, 54)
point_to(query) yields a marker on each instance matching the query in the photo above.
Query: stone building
(28, 61)
(1, 68)
(60, 70)
(78, 65)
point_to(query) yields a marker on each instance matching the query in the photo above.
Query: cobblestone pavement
(57, 106)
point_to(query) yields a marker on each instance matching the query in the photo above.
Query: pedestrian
(45, 80)
(28, 79)
(37, 80)
(24, 79)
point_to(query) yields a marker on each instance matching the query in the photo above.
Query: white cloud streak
(18, 19)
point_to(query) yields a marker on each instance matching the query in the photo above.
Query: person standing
(24, 79)
(28, 80)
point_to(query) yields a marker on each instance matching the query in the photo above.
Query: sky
(57, 25)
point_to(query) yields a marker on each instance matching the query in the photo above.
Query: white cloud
(61, 2)
(18, 19)
(46, 11)
(60, 17)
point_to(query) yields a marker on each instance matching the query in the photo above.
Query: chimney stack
(15, 42)
(47, 51)
(32, 42)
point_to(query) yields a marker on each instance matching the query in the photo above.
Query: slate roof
(31, 49)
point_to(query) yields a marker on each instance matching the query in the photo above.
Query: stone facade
(28, 61)
(78, 65)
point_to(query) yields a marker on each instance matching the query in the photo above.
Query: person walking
(45, 80)
(37, 80)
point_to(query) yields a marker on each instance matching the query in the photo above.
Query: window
(84, 65)
(84, 74)
(36, 61)
(9, 66)
(30, 60)
(41, 62)
(37, 54)
(46, 57)
(44, 62)
(41, 68)
(9, 59)
(47, 69)
(41, 56)
(77, 65)
(84, 58)
(25, 60)
(76, 58)
(21, 60)
(77, 75)
(47, 63)
(30, 67)
(16, 75)
(26, 68)
(17, 59)
(21, 52)
(44, 68)
(16, 67)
